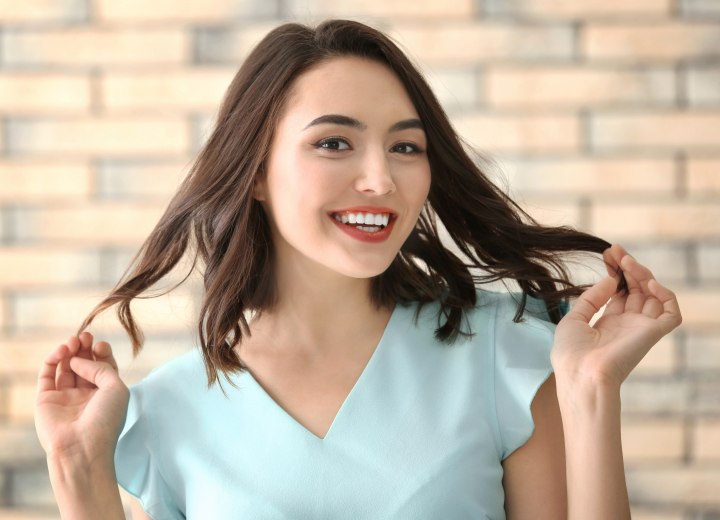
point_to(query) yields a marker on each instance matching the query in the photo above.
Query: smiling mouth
(365, 221)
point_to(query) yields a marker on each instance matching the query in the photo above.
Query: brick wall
(602, 114)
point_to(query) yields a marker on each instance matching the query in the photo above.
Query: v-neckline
(350, 396)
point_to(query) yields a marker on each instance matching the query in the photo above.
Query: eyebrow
(337, 119)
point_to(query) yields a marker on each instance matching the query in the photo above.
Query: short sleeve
(521, 365)
(137, 467)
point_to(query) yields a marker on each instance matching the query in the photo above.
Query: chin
(364, 271)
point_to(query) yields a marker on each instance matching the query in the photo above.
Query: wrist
(587, 395)
(78, 471)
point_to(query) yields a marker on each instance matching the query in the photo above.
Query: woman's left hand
(606, 352)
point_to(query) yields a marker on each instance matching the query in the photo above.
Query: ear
(259, 190)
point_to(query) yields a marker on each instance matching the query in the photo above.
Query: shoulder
(498, 310)
(183, 374)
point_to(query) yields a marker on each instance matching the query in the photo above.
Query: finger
(652, 308)
(592, 300)
(611, 263)
(671, 315)
(638, 271)
(98, 373)
(636, 297)
(616, 305)
(46, 376)
(85, 352)
(65, 376)
(73, 345)
(103, 352)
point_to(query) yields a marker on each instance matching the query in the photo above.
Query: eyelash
(415, 148)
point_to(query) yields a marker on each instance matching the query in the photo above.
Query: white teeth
(373, 219)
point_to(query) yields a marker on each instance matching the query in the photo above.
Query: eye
(407, 148)
(334, 144)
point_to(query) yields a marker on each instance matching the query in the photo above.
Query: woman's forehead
(351, 86)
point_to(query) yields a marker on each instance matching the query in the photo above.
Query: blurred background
(602, 114)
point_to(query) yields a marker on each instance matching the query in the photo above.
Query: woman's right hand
(81, 402)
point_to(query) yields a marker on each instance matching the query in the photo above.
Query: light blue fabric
(421, 435)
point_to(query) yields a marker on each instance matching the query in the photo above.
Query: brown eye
(335, 144)
(407, 148)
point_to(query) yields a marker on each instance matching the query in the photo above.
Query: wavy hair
(214, 216)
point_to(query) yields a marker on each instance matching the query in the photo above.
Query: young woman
(370, 375)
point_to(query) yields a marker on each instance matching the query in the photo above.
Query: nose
(375, 174)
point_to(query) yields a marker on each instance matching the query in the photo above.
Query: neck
(318, 312)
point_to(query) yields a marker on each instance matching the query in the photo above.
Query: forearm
(86, 491)
(593, 448)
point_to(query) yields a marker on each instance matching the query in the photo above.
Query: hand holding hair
(632, 322)
(81, 401)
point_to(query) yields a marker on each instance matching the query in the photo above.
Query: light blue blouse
(420, 436)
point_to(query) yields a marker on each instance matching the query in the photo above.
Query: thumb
(592, 300)
(97, 372)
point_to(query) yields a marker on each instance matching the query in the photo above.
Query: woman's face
(349, 143)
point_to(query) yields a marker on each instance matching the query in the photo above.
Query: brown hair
(215, 215)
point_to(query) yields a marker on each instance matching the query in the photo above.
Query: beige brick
(705, 440)
(703, 352)
(668, 262)
(19, 444)
(454, 88)
(21, 402)
(596, 176)
(651, 221)
(656, 131)
(41, 266)
(702, 86)
(521, 133)
(42, 11)
(703, 177)
(551, 212)
(640, 396)
(232, 46)
(707, 397)
(167, 91)
(572, 86)
(709, 263)
(660, 359)
(156, 179)
(43, 93)
(698, 306)
(562, 9)
(31, 487)
(109, 223)
(23, 354)
(86, 46)
(451, 43)
(171, 11)
(694, 486)
(100, 135)
(318, 9)
(700, 7)
(17, 513)
(644, 513)
(651, 41)
(655, 440)
(37, 181)
(61, 313)
(4, 311)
